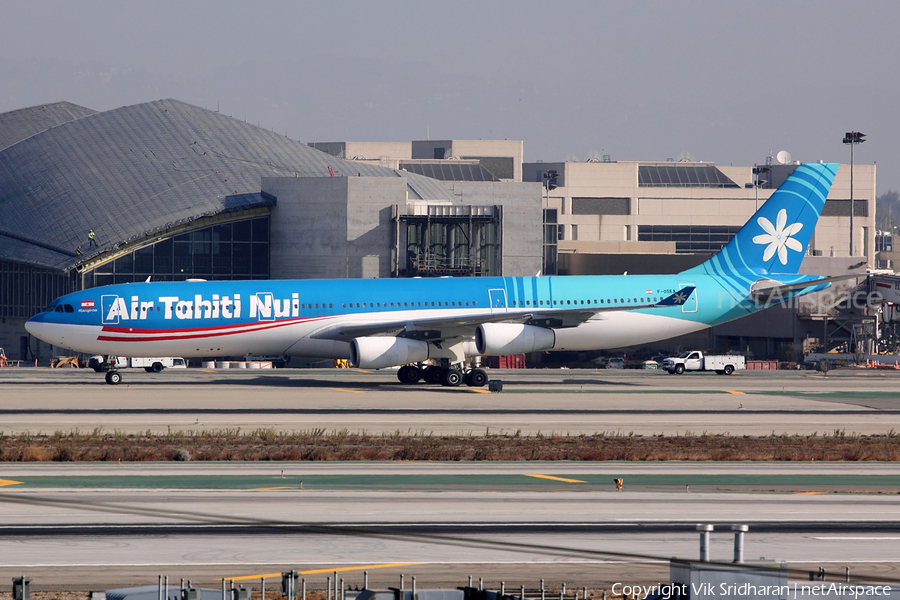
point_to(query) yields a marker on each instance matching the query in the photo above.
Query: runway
(566, 402)
(104, 527)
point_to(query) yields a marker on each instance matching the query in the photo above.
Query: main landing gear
(449, 377)
(113, 377)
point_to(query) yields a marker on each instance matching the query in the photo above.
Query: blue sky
(727, 82)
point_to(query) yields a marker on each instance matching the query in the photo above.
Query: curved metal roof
(21, 124)
(138, 170)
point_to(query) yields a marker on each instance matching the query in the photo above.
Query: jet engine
(380, 352)
(501, 339)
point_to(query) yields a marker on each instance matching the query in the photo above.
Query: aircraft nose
(37, 328)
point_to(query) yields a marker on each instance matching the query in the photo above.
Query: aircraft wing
(443, 327)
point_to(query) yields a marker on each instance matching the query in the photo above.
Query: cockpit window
(59, 308)
(69, 308)
(50, 308)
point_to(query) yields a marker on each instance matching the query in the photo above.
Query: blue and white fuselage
(389, 322)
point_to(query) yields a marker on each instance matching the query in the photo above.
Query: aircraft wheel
(451, 378)
(679, 369)
(476, 378)
(157, 367)
(409, 374)
(729, 369)
(432, 374)
(113, 377)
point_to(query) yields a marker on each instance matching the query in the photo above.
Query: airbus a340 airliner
(404, 322)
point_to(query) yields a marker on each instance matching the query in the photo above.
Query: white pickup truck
(694, 360)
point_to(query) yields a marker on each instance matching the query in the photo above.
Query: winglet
(678, 298)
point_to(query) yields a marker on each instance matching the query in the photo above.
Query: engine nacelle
(380, 352)
(502, 339)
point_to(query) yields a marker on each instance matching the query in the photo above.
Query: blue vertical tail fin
(774, 240)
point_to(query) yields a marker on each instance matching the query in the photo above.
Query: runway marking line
(316, 571)
(847, 537)
(552, 478)
(480, 391)
(272, 489)
(734, 392)
(5, 482)
(349, 391)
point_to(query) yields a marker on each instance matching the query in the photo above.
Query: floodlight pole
(851, 198)
(852, 138)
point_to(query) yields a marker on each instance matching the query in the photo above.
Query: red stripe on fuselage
(120, 329)
(191, 334)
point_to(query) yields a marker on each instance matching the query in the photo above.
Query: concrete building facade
(503, 158)
(615, 209)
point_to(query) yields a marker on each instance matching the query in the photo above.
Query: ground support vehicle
(694, 360)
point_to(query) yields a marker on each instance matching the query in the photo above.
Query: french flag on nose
(87, 304)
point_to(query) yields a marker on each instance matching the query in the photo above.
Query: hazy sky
(727, 82)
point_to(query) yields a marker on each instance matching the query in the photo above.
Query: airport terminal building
(170, 191)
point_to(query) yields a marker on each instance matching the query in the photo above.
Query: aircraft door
(692, 362)
(498, 301)
(109, 309)
(691, 305)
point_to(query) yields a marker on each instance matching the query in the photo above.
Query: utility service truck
(102, 363)
(694, 360)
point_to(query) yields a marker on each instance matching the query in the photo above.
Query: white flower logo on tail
(778, 237)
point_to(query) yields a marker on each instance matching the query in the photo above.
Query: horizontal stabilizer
(766, 291)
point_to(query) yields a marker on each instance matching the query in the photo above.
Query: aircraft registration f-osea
(404, 322)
